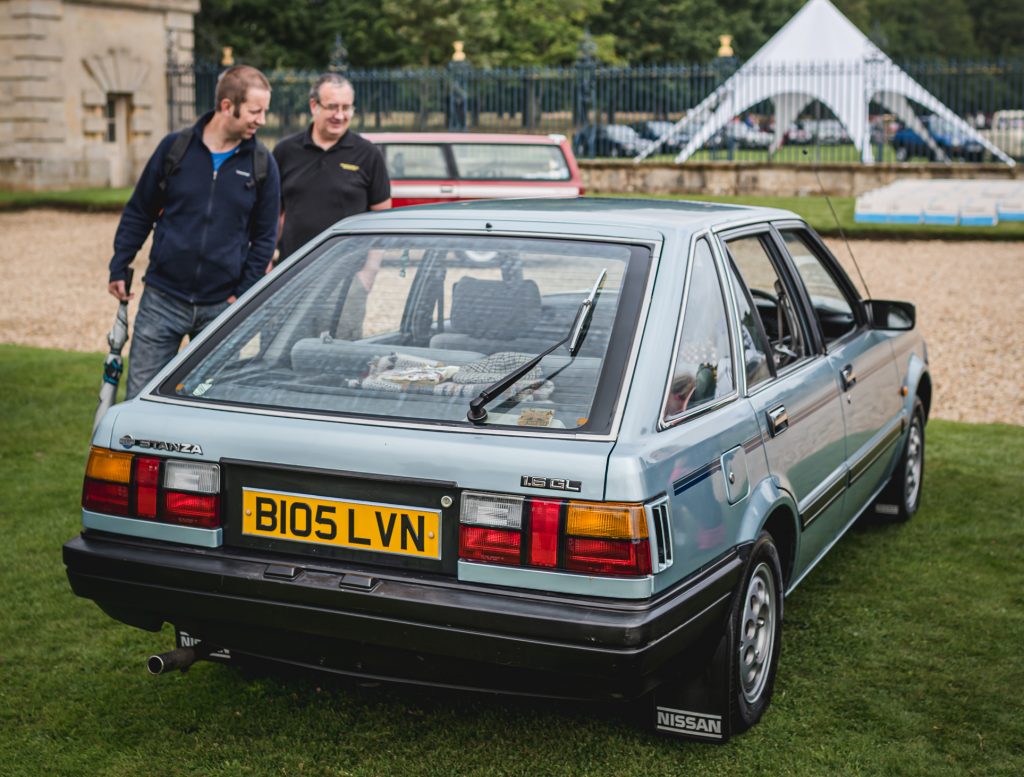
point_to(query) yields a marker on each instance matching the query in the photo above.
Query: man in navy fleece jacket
(214, 224)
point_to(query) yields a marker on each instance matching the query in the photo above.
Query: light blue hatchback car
(572, 448)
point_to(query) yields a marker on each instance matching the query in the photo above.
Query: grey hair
(328, 78)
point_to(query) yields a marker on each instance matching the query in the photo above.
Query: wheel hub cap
(914, 465)
(757, 633)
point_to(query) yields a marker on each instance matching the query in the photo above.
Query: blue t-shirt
(220, 156)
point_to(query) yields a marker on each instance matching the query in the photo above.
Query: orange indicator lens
(109, 465)
(621, 521)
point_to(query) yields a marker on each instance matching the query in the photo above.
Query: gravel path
(969, 299)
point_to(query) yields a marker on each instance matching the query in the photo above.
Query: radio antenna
(839, 226)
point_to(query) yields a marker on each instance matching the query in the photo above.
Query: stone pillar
(32, 124)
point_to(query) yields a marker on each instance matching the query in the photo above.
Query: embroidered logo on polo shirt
(347, 166)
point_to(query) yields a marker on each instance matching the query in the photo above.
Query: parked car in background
(1007, 132)
(882, 128)
(952, 140)
(446, 166)
(797, 136)
(740, 135)
(578, 448)
(654, 130)
(609, 140)
(826, 132)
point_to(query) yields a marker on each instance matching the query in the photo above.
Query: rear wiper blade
(477, 413)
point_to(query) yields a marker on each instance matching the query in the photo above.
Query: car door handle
(447, 189)
(778, 420)
(849, 377)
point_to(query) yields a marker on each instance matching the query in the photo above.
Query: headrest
(498, 310)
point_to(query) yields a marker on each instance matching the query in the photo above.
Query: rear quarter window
(702, 373)
(416, 161)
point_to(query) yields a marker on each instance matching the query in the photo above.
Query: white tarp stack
(947, 202)
(819, 55)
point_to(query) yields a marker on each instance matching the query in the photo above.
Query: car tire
(754, 636)
(902, 496)
(902, 155)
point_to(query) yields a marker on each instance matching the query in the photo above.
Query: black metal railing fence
(583, 100)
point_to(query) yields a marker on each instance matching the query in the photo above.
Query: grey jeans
(160, 326)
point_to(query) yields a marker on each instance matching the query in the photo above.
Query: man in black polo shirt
(328, 172)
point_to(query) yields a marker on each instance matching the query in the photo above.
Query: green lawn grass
(74, 199)
(901, 651)
(815, 211)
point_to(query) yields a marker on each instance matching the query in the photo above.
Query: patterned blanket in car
(415, 374)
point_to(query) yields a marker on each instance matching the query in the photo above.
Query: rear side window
(703, 364)
(755, 345)
(483, 161)
(415, 160)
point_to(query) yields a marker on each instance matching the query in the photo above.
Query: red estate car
(447, 166)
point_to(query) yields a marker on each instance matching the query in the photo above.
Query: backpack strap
(260, 163)
(174, 155)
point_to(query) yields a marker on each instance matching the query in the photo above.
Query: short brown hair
(329, 78)
(235, 82)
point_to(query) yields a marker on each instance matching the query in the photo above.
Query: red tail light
(201, 510)
(107, 475)
(147, 480)
(608, 557)
(598, 538)
(497, 546)
(545, 516)
(102, 497)
(152, 488)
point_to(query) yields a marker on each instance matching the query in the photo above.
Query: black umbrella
(113, 366)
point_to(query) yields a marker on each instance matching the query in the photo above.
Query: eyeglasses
(335, 108)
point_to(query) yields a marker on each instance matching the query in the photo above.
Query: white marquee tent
(819, 55)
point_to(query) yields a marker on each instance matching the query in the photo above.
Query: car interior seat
(491, 315)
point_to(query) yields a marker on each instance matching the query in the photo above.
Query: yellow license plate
(384, 528)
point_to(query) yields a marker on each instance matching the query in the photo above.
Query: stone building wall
(83, 88)
(769, 179)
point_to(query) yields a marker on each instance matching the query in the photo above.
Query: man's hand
(116, 289)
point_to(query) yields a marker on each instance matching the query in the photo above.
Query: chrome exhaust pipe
(179, 658)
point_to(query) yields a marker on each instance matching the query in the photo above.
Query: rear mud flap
(696, 706)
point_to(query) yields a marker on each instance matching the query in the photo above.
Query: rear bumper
(405, 627)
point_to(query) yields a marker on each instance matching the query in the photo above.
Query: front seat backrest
(493, 309)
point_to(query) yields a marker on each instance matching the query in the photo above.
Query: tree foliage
(397, 33)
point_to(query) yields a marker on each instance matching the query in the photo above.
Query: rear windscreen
(414, 327)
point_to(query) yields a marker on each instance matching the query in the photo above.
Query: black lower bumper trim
(406, 628)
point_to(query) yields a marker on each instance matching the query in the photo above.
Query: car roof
(629, 212)
(462, 137)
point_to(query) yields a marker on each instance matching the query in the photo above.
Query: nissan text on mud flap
(579, 448)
